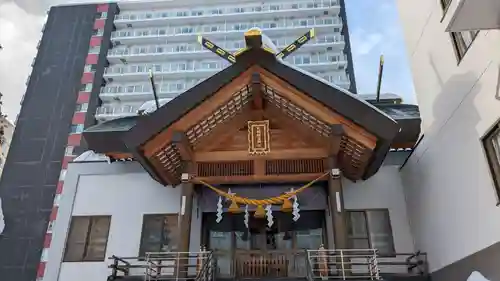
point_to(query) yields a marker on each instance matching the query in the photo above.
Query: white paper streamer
(269, 214)
(2, 221)
(247, 216)
(219, 210)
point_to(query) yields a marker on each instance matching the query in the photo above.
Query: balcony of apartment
(469, 15)
(142, 91)
(154, 53)
(173, 70)
(308, 265)
(108, 112)
(229, 13)
(225, 30)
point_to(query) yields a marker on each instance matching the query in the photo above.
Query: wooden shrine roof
(129, 135)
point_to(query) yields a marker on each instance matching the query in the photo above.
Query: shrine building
(262, 170)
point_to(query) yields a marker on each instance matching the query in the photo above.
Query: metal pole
(153, 86)
(380, 72)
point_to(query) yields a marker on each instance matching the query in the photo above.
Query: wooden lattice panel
(225, 169)
(220, 115)
(295, 166)
(170, 159)
(354, 155)
(294, 111)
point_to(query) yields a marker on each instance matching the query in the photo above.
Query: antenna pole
(153, 86)
(380, 72)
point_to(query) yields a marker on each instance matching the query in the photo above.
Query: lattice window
(170, 159)
(225, 169)
(220, 115)
(295, 111)
(295, 166)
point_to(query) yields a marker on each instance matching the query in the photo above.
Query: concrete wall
(122, 190)
(449, 190)
(383, 191)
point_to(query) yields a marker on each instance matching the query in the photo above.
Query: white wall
(123, 193)
(451, 199)
(383, 191)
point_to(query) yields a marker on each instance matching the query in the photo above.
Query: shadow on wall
(420, 181)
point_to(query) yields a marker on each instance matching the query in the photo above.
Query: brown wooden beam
(258, 102)
(180, 141)
(317, 109)
(337, 210)
(336, 137)
(295, 126)
(184, 227)
(164, 174)
(262, 178)
(298, 153)
(224, 130)
(197, 114)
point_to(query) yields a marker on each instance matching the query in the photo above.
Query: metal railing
(159, 266)
(343, 264)
(366, 264)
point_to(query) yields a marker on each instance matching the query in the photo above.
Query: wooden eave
(258, 94)
(355, 131)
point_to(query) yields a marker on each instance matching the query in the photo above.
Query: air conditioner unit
(329, 48)
(129, 25)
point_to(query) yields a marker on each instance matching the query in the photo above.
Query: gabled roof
(339, 100)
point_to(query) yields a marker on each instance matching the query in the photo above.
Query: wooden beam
(164, 174)
(197, 114)
(224, 130)
(317, 109)
(337, 133)
(299, 153)
(295, 126)
(259, 167)
(258, 102)
(262, 178)
(180, 141)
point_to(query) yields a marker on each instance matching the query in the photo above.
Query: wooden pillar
(184, 226)
(337, 211)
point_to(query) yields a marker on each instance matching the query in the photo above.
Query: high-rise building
(163, 37)
(452, 179)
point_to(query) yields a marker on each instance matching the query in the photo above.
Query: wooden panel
(225, 169)
(262, 179)
(280, 139)
(294, 166)
(298, 153)
(317, 109)
(197, 114)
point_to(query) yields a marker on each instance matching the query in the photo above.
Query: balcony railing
(322, 264)
(160, 34)
(224, 11)
(153, 50)
(164, 266)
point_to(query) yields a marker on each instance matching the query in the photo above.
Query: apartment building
(452, 179)
(162, 37)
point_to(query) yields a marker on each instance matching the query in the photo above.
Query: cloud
(364, 41)
(19, 34)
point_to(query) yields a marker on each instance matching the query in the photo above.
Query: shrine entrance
(262, 250)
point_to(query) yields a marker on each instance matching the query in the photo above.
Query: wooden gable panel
(197, 114)
(317, 109)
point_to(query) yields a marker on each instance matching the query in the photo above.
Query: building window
(371, 229)
(87, 239)
(491, 144)
(69, 151)
(82, 107)
(76, 129)
(462, 42)
(158, 233)
(86, 88)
